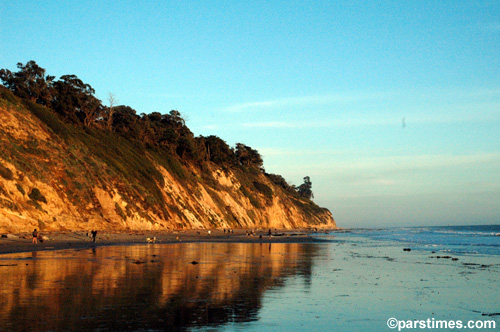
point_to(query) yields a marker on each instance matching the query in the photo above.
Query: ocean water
(465, 240)
(350, 281)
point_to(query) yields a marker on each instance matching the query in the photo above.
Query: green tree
(248, 156)
(280, 181)
(126, 122)
(75, 100)
(304, 189)
(29, 82)
(217, 151)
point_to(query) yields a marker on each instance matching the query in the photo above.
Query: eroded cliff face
(55, 183)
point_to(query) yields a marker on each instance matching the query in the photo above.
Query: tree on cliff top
(75, 100)
(248, 156)
(304, 189)
(217, 151)
(29, 82)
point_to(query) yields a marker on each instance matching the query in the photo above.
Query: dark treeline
(75, 102)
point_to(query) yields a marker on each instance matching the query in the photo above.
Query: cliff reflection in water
(145, 287)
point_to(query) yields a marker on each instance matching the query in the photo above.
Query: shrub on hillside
(264, 189)
(6, 173)
(36, 195)
(20, 188)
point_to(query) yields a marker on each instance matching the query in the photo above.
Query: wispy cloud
(380, 120)
(378, 108)
(405, 175)
(170, 96)
(323, 124)
(300, 152)
(272, 124)
(392, 164)
(210, 127)
(302, 101)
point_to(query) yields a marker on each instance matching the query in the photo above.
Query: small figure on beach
(94, 235)
(35, 237)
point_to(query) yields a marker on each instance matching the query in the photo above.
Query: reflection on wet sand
(159, 287)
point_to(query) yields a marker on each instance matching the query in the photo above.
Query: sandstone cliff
(54, 176)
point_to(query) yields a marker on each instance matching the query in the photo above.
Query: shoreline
(63, 240)
(311, 285)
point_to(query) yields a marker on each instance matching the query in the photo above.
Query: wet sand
(359, 284)
(226, 282)
(12, 243)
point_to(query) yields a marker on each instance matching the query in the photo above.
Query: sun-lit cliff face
(160, 281)
(55, 176)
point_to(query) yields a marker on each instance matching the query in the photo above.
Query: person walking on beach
(35, 237)
(94, 235)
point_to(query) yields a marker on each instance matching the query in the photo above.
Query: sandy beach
(12, 243)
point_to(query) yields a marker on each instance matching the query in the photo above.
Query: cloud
(210, 127)
(341, 123)
(442, 175)
(394, 164)
(387, 120)
(347, 110)
(302, 101)
(361, 96)
(489, 113)
(415, 171)
(251, 106)
(271, 124)
(297, 152)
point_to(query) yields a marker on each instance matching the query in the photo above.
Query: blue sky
(391, 107)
